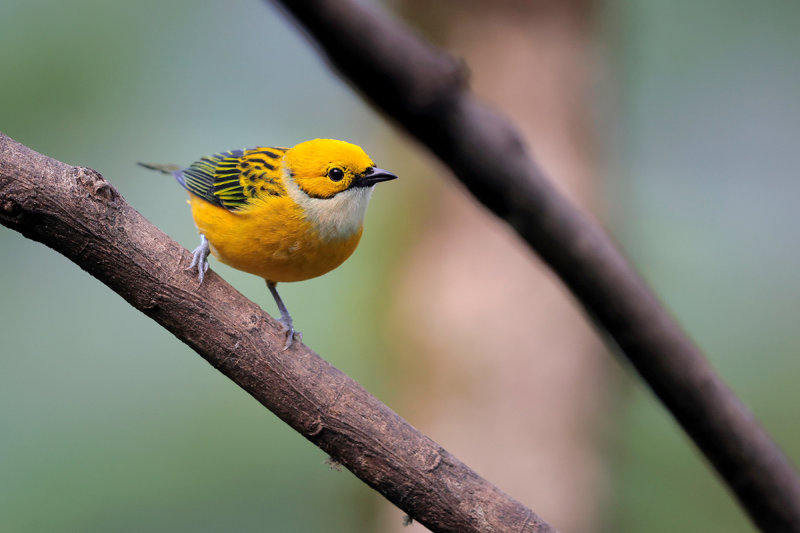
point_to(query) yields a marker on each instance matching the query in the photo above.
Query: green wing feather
(229, 179)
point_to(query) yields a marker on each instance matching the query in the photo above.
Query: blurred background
(675, 123)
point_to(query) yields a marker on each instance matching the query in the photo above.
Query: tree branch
(79, 214)
(424, 90)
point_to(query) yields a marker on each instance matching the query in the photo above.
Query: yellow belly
(272, 241)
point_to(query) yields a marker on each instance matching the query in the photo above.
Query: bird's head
(323, 168)
(332, 183)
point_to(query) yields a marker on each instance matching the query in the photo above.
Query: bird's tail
(164, 169)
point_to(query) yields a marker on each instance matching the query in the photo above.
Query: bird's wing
(230, 179)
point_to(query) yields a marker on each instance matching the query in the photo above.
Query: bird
(284, 214)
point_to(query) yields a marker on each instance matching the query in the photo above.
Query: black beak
(373, 175)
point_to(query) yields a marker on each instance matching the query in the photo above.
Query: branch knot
(96, 184)
(10, 210)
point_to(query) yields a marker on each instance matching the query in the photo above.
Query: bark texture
(75, 211)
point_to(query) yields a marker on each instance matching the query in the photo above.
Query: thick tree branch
(79, 214)
(424, 90)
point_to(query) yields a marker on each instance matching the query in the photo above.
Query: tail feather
(164, 169)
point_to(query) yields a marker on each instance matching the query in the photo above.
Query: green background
(108, 423)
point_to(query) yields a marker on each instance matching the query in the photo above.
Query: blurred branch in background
(424, 90)
(79, 214)
(484, 293)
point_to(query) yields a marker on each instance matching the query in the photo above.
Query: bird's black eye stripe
(336, 174)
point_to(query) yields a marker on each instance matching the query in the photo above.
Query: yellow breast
(273, 238)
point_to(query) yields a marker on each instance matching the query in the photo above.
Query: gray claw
(291, 333)
(200, 258)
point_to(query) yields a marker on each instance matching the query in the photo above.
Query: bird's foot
(286, 319)
(200, 258)
(291, 333)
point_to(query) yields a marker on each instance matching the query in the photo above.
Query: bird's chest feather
(278, 239)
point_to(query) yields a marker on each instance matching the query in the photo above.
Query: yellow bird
(284, 214)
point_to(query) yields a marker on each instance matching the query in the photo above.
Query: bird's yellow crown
(323, 168)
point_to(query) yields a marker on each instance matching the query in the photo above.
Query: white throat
(335, 218)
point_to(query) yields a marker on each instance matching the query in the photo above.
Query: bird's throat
(335, 218)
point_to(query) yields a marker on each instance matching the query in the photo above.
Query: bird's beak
(372, 176)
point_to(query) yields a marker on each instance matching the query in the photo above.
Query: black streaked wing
(260, 172)
(230, 179)
(201, 177)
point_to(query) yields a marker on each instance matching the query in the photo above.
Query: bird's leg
(286, 318)
(200, 258)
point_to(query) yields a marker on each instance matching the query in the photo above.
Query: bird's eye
(336, 174)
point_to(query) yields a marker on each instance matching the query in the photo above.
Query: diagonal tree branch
(424, 90)
(79, 214)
